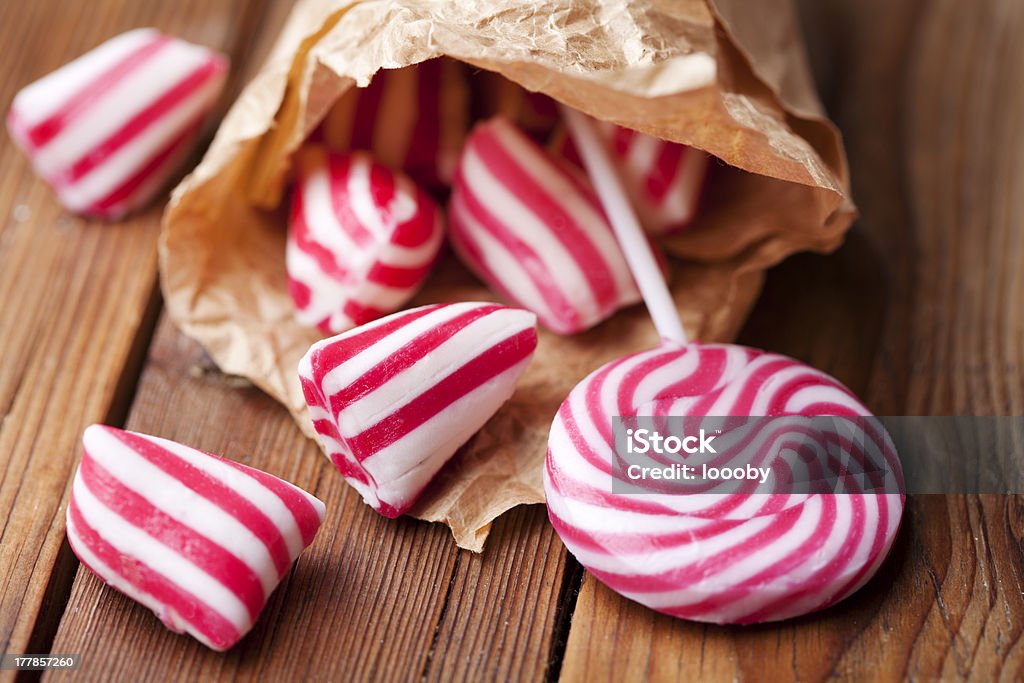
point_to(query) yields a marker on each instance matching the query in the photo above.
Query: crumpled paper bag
(726, 76)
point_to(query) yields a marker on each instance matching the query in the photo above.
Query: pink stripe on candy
(307, 517)
(567, 251)
(423, 153)
(519, 249)
(330, 356)
(665, 172)
(404, 358)
(479, 370)
(124, 193)
(549, 209)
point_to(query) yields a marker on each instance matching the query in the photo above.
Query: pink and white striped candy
(392, 401)
(108, 130)
(664, 179)
(533, 230)
(200, 540)
(361, 241)
(722, 558)
(414, 119)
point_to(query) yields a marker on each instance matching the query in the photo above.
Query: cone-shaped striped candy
(200, 540)
(532, 228)
(414, 119)
(723, 558)
(392, 401)
(361, 241)
(108, 130)
(664, 179)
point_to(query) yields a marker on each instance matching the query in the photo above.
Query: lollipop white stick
(627, 228)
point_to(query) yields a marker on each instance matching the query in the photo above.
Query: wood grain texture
(921, 313)
(79, 304)
(371, 599)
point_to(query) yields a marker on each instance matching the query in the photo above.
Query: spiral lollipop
(724, 553)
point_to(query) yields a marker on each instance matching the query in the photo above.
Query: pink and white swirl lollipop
(736, 557)
(724, 558)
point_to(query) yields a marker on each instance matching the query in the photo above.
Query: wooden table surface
(921, 312)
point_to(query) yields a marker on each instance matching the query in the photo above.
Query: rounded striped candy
(736, 557)
(664, 179)
(532, 228)
(108, 130)
(200, 540)
(392, 401)
(414, 119)
(362, 239)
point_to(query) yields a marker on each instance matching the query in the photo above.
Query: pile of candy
(556, 214)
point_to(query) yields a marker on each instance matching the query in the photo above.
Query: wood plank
(80, 302)
(504, 607)
(926, 306)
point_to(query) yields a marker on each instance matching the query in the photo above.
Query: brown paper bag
(726, 76)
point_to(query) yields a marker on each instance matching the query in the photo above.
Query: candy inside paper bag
(673, 70)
